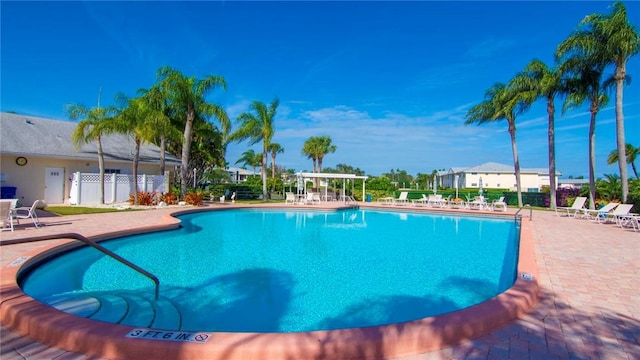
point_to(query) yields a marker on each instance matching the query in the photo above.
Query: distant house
(240, 175)
(495, 175)
(38, 158)
(572, 183)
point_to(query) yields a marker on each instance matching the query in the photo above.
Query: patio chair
(27, 213)
(402, 199)
(312, 198)
(478, 202)
(599, 214)
(420, 202)
(6, 217)
(290, 198)
(619, 213)
(500, 203)
(435, 200)
(573, 210)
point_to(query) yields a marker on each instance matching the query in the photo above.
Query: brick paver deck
(589, 306)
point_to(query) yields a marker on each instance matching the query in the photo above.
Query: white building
(38, 158)
(240, 175)
(495, 175)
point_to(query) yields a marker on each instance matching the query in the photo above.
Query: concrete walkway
(589, 306)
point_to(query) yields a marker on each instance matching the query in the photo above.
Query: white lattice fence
(85, 187)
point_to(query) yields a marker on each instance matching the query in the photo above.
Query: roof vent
(29, 122)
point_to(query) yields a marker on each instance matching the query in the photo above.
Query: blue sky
(389, 82)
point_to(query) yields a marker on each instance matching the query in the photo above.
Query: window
(474, 184)
(498, 185)
(112, 171)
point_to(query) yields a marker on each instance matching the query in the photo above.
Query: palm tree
(163, 130)
(142, 120)
(619, 41)
(541, 81)
(502, 102)
(187, 99)
(275, 149)
(96, 122)
(583, 63)
(631, 152)
(323, 148)
(250, 158)
(257, 125)
(308, 150)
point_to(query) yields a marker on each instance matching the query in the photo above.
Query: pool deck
(589, 306)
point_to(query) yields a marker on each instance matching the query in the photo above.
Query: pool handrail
(107, 252)
(530, 211)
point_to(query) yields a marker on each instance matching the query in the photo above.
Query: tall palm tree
(620, 41)
(96, 122)
(541, 81)
(583, 61)
(187, 99)
(503, 102)
(631, 152)
(324, 147)
(274, 149)
(258, 125)
(164, 130)
(141, 120)
(309, 151)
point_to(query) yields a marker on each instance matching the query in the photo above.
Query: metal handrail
(107, 252)
(530, 211)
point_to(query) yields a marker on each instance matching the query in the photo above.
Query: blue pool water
(288, 271)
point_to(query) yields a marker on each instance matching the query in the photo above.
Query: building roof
(39, 137)
(241, 171)
(492, 167)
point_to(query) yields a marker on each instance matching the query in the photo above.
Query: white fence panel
(85, 187)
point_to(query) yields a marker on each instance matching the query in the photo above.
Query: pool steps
(120, 308)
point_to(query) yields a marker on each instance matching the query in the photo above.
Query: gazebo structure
(302, 184)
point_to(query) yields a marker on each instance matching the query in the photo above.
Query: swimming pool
(289, 271)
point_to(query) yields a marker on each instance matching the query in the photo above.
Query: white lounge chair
(27, 213)
(599, 214)
(500, 203)
(575, 209)
(478, 202)
(290, 198)
(434, 200)
(402, 199)
(312, 198)
(420, 202)
(619, 213)
(6, 215)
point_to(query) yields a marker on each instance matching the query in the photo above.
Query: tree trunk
(186, 147)
(263, 171)
(592, 159)
(273, 165)
(136, 159)
(516, 162)
(163, 146)
(622, 156)
(319, 171)
(100, 169)
(552, 154)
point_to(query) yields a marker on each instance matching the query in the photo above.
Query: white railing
(85, 187)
